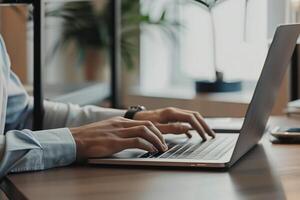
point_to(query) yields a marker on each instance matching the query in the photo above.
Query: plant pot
(218, 86)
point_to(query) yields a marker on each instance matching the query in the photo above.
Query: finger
(189, 135)
(149, 124)
(174, 128)
(201, 120)
(103, 148)
(99, 147)
(142, 132)
(138, 143)
(192, 120)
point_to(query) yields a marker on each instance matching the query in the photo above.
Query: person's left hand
(162, 117)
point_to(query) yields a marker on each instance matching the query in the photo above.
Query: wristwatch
(132, 110)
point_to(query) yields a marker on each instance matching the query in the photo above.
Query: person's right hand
(105, 138)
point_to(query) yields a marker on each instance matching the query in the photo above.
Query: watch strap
(133, 110)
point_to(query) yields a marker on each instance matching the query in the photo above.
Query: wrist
(80, 156)
(133, 111)
(74, 131)
(147, 115)
(139, 115)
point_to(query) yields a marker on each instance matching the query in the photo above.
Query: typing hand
(167, 115)
(105, 138)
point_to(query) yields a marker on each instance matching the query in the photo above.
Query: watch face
(137, 108)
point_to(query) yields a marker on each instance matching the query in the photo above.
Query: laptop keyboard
(212, 149)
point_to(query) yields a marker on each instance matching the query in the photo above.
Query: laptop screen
(266, 91)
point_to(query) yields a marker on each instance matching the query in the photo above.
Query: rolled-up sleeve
(30, 151)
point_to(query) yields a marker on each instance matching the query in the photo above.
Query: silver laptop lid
(266, 90)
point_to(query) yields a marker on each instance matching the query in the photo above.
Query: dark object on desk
(219, 85)
(293, 108)
(285, 135)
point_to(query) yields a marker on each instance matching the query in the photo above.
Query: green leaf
(90, 29)
(207, 3)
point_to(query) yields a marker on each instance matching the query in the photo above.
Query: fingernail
(154, 150)
(214, 134)
(165, 147)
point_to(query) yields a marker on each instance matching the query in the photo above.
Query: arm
(58, 115)
(29, 151)
(25, 150)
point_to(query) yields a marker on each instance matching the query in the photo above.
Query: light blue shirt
(24, 150)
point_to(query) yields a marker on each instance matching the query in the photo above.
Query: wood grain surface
(267, 172)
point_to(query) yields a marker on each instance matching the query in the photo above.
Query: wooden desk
(267, 172)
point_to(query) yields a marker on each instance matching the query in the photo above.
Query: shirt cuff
(30, 151)
(2, 145)
(59, 147)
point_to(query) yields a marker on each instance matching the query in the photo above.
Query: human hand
(105, 138)
(167, 115)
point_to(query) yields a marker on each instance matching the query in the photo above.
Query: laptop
(227, 148)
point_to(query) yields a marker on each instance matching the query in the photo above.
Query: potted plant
(219, 85)
(87, 24)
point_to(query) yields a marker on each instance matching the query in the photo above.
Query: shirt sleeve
(24, 150)
(20, 148)
(30, 151)
(59, 115)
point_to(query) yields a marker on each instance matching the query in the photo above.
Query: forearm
(58, 115)
(61, 115)
(30, 151)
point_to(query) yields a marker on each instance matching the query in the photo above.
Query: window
(242, 31)
(76, 57)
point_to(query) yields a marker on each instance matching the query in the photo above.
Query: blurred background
(166, 46)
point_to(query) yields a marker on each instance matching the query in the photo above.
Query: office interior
(165, 47)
